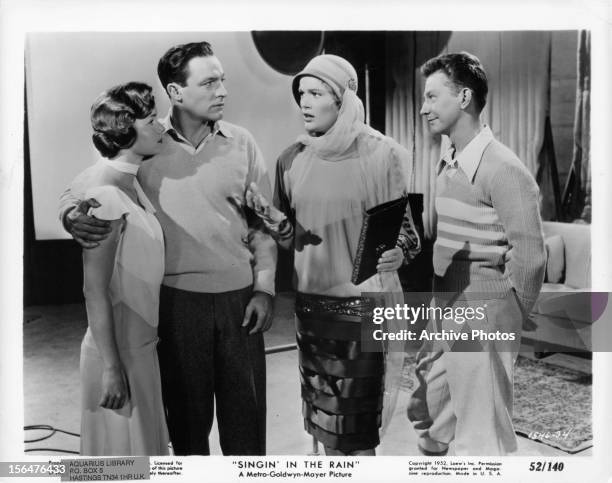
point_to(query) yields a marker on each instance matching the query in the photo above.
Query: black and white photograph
(204, 215)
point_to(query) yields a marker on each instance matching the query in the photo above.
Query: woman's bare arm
(98, 266)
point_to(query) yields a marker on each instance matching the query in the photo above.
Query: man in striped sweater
(490, 251)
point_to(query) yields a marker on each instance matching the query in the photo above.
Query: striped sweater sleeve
(515, 197)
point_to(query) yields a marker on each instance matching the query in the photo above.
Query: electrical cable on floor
(46, 427)
(57, 450)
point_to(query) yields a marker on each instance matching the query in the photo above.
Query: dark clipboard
(379, 232)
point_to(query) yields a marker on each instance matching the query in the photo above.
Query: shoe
(426, 452)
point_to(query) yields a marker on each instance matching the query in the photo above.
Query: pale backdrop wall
(66, 71)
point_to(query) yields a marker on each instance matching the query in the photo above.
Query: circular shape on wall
(288, 51)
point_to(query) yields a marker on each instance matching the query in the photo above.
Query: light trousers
(465, 392)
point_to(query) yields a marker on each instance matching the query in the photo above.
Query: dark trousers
(206, 355)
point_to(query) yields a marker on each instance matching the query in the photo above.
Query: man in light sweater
(490, 251)
(216, 297)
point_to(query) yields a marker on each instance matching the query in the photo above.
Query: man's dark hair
(172, 66)
(464, 70)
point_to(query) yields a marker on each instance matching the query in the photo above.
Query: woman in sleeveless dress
(324, 182)
(122, 411)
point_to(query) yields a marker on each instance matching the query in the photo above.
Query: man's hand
(85, 229)
(261, 305)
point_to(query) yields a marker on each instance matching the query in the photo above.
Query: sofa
(562, 312)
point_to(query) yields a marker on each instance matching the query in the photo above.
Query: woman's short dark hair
(172, 67)
(113, 115)
(464, 70)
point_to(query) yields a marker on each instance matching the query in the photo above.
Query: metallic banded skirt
(342, 387)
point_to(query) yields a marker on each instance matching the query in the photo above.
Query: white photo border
(19, 17)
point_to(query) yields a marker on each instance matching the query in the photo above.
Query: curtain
(577, 196)
(517, 69)
(406, 52)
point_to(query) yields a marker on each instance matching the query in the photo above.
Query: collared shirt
(218, 127)
(489, 230)
(468, 159)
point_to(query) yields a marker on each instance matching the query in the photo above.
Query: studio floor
(52, 337)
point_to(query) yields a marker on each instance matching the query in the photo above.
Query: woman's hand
(115, 389)
(271, 216)
(390, 260)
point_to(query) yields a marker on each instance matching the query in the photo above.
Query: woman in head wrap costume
(324, 182)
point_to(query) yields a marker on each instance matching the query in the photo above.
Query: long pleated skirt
(342, 387)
